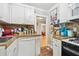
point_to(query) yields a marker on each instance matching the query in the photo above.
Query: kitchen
(39, 29)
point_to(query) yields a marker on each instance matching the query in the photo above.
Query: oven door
(69, 49)
(68, 52)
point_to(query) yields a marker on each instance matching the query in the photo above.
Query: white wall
(41, 12)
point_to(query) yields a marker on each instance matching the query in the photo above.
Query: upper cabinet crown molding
(22, 5)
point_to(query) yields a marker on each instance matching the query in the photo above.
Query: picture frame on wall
(53, 16)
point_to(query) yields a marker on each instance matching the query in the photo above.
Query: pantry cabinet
(29, 16)
(4, 12)
(17, 14)
(56, 45)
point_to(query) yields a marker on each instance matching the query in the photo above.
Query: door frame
(47, 17)
(43, 25)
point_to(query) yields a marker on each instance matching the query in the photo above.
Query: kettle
(70, 33)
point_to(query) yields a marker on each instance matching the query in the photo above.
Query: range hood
(74, 18)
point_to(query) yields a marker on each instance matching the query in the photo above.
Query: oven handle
(71, 50)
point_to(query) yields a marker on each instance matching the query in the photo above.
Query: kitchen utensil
(0, 31)
(70, 33)
(6, 31)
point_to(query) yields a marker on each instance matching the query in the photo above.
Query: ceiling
(44, 6)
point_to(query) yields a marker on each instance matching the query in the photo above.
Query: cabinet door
(15, 48)
(1, 10)
(2, 51)
(59, 47)
(17, 14)
(27, 47)
(56, 47)
(38, 45)
(29, 16)
(65, 12)
(55, 50)
(12, 49)
(4, 12)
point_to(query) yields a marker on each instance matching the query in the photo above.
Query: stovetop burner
(75, 40)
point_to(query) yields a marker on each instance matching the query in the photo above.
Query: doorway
(41, 29)
(43, 33)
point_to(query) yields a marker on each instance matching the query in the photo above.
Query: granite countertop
(11, 40)
(57, 37)
(71, 42)
(8, 42)
(62, 38)
(30, 35)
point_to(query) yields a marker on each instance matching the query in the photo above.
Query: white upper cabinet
(4, 12)
(29, 16)
(64, 12)
(17, 14)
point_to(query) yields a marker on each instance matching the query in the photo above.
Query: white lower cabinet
(12, 49)
(56, 45)
(22, 47)
(29, 46)
(2, 51)
(38, 45)
(26, 47)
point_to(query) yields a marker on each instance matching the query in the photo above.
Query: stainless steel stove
(70, 48)
(75, 40)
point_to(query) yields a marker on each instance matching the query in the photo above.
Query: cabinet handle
(56, 45)
(27, 40)
(14, 51)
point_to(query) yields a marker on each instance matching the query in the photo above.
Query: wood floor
(43, 41)
(45, 50)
